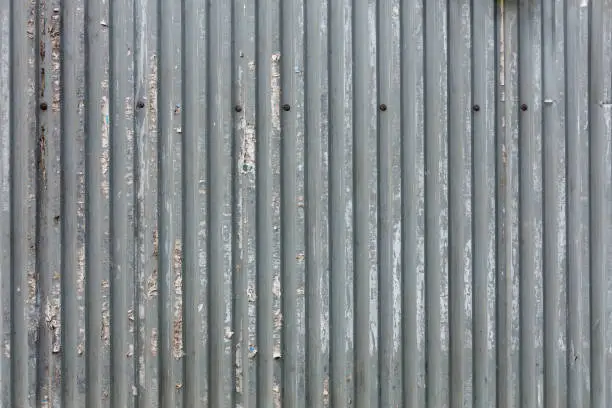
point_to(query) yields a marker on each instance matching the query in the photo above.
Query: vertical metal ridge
(243, 103)
(411, 61)
(459, 127)
(599, 174)
(191, 125)
(218, 105)
(169, 341)
(483, 78)
(527, 210)
(121, 122)
(337, 205)
(435, 132)
(5, 199)
(289, 335)
(577, 210)
(384, 77)
(71, 222)
(96, 198)
(146, 205)
(48, 194)
(263, 222)
(552, 117)
(23, 122)
(312, 161)
(361, 206)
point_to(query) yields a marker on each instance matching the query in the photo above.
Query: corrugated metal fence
(259, 203)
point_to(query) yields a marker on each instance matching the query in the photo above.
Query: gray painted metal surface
(305, 203)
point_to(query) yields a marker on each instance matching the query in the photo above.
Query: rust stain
(42, 49)
(42, 82)
(42, 153)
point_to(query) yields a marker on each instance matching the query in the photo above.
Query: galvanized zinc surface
(305, 203)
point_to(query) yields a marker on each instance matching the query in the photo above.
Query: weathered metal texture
(305, 203)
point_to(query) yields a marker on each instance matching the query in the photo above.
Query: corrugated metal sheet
(305, 203)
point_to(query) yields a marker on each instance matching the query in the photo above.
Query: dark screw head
(140, 105)
(523, 107)
(382, 107)
(43, 106)
(286, 107)
(476, 108)
(238, 108)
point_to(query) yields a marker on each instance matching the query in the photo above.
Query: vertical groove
(482, 20)
(218, 105)
(337, 205)
(312, 159)
(384, 69)
(23, 121)
(576, 137)
(288, 206)
(551, 123)
(435, 130)
(505, 91)
(527, 210)
(263, 107)
(71, 138)
(599, 175)
(361, 205)
(95, 270)
(411, 74)
(192, 331)
(120, 123)
(459, 97)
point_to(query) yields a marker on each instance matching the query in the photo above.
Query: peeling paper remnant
(275, 85)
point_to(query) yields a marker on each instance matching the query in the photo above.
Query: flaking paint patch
(4, 113)
(80, 271)
(247, 147)
(275, 85)
(105, 157)
(54, 34)
(177, 327)
(276, 391)
(52, 318)
(397, 287)
(31, 24)
(32, 284)
(105, 334)
(152, 93)
(154, 342)
(151, 285)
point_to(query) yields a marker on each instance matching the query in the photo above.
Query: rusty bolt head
(43, 106)
(524, 107)
(383, 107)
(286, 107)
